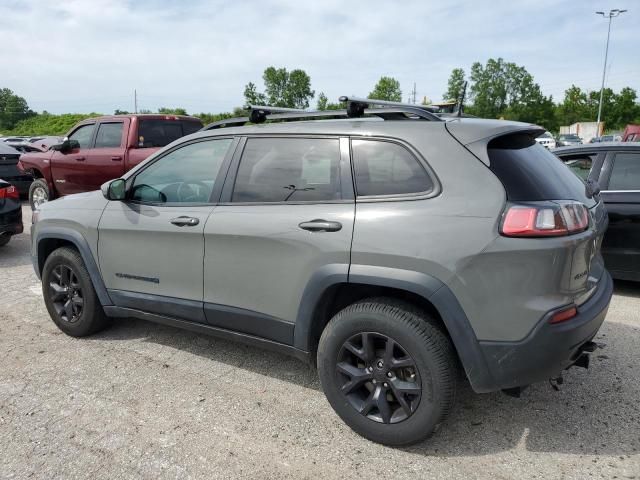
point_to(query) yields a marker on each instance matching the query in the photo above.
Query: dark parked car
(616, 167)
(9, 157)
(10, 212)
(568, 139)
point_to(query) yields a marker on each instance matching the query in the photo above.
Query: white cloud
(76, 55)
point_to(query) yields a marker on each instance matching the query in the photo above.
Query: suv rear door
(285, 218)
(106, 159)
(620, 183)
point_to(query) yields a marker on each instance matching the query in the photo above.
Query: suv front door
(285, 221)
(151, 246)
(69, 169)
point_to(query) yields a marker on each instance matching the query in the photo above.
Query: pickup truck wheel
(69, 294)
(38, 193)
(387, 370)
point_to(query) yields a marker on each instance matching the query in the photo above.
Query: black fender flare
(427, 286)
(81, 244)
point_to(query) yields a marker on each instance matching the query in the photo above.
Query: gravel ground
(146, 401)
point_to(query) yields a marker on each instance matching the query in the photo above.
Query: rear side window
(158, 133)
(386, 168)
(529, 172)
(625, 174)
(109, 135)
(288, 170)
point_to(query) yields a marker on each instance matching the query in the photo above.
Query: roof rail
(356, 108)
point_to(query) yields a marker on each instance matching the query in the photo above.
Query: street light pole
(612, 13)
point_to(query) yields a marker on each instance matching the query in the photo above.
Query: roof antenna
(461, 100)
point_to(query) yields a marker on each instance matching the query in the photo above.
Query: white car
(546, 140)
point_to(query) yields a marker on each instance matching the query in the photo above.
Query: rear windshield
(159, 132)
(529, 172)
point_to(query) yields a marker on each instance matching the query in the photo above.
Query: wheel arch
(326, 294)
(50, 238)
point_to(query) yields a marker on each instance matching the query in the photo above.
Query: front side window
(109, 135)
(83, 135)
(385, 168)
(625, 174)
(185, 175)
(288, 170)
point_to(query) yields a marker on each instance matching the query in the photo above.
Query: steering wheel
(186, 192)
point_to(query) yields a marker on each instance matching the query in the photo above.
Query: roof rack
(356, 108)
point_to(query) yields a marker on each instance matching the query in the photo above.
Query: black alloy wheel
(65, 293)
(378, 377)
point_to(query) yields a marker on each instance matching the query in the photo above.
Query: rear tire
(4, 239)
(38, 193)
(394, 399)
(69, 294)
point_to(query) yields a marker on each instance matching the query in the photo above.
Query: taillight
(551, 219)
(9, 192)
(564, 314)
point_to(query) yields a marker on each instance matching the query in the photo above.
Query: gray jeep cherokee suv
(392, 248)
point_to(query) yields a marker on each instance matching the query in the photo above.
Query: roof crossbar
(259, 113)
(357, 105)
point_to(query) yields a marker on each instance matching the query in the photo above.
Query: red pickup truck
(100, 149)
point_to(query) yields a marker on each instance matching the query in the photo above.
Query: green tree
(488, 90)
(120, 112)
(322, 101)
(282, 89)
(12, 109)
(252, 96)
(574, 107)
(455, 84)
(172, 111)
(387, 88)
(325, 104)
(624, 109)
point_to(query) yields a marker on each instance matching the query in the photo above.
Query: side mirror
(66, 146)
(115, 189)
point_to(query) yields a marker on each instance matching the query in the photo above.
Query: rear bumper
(548, 349)
(11, 222)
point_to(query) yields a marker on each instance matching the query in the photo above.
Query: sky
(89, 55)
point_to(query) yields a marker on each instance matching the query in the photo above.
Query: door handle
(320, 225)
(116, 158)
(80, 159)
(185, 221)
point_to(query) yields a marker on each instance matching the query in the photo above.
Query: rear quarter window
(386, 168)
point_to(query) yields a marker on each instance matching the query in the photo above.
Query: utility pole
(413, 93)
(135, 101)
(612, 13)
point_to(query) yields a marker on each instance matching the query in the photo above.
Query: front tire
(4, 239)
(69, 294)
(387, 370)
(38, 193)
